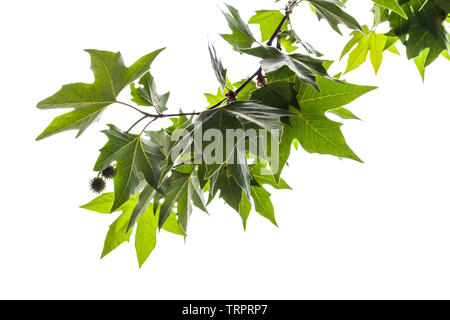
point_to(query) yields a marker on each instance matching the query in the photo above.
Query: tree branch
(289, 7)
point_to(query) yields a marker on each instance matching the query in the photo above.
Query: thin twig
(258, 72)
(283, 21)
(133, 107)
(136, 123)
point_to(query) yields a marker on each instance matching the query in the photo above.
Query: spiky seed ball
(97, 185)
(109, 172)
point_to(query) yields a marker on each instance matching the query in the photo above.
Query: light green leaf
(377, 44)
(446, 55)
(171, 225)
(145, 240)
(344, 113)
(268, 21)
(420, 62)
(102, 204)
(117, 233)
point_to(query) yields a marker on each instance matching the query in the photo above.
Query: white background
(348, 230)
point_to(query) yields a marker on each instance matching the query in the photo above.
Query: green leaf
(303, 66)
(244, 209)
(145, 240)
(446, 55)
(288, 38)
(422, 38)
(268, 21)
(392, 5)
(420, 62)
(443, 4)
(102, 204)
(143, 204)
(263, 204)
(133, 156)
(117, 233)
(278, 94)
(374, 43)
(332, 96)
(105, 201)
(230, 191)
(219, 70)
(344, 113)
(171, 225)
(356, 38)
(377, 45)
(216, 153)
(241, 36)
(423, 29)
(264, 176)
(317, 133)
(264, 116)
(330, 11)
(147, 95)
(182, 189)
(358, 56)
(214, 99)
(90, 100)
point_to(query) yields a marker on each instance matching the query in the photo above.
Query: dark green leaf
(90, 100)
(303, 66)
(241, 37)
(392, 5)
(219, 70)
(182, 189)
(330, 11)
(147, 95)
(133, 156)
